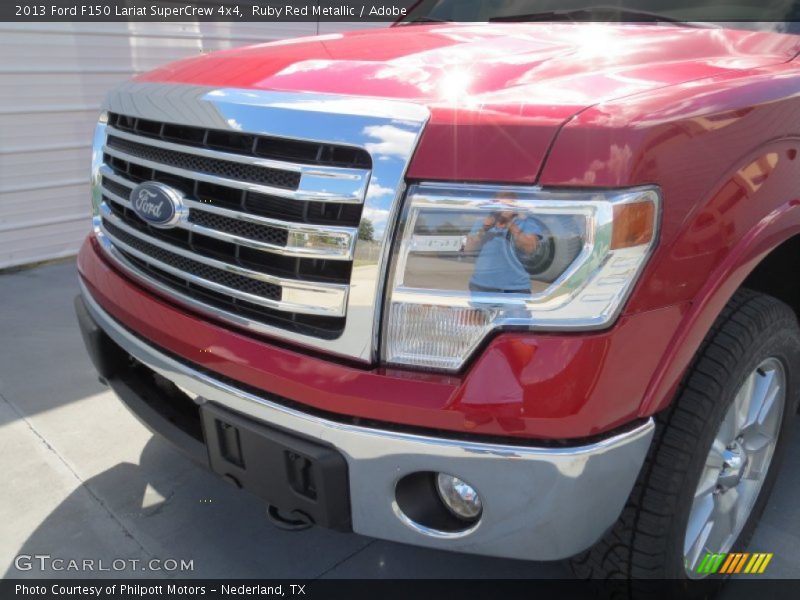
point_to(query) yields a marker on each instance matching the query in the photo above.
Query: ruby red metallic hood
(506, 88)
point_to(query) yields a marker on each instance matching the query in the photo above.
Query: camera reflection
(502, 248)
(502, 241)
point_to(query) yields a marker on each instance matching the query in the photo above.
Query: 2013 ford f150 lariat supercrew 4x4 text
(518, 289)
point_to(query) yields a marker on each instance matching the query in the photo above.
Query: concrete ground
(83, 479)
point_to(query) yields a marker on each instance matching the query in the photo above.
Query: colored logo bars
(734, 563)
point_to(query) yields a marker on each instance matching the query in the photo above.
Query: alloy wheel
(737, 465)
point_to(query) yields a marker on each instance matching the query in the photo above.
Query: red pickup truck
(523, 290)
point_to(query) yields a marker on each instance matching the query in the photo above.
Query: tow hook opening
(288, 521)
(425, 502)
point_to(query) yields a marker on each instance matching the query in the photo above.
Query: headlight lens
(471, 259)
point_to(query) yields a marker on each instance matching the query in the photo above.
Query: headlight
(473, 259)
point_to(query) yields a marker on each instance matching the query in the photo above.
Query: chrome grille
(275, 187)
(244, 247)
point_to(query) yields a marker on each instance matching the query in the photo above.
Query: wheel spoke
(698, 529)
(761, 432)
(766, 390)
(756, 440)
(715, 455)
(708, 481)
(728, 429)
(693, 553)
(723, 518)
(770, 408)
(744, 399)
(747, 490)
(759, 451)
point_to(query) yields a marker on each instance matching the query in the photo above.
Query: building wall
(53, 78)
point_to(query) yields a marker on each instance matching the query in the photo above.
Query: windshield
(777, 15)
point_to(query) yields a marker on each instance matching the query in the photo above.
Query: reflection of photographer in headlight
(513, 250)
(499, 239)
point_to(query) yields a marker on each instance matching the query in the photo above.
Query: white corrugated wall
(53, 77)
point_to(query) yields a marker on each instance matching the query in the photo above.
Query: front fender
(726, 154)
(769, 233)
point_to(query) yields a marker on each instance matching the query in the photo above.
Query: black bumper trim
(113, 364)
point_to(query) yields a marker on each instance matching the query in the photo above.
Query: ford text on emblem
(157, 204)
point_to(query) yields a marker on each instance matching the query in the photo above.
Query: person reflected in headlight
(498, 239)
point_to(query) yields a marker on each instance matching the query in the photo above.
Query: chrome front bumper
(538, 503)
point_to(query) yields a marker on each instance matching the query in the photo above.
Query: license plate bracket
(288, 471)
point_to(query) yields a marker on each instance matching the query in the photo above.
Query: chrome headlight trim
(600, 277)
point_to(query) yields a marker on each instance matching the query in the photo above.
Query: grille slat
(261, 236)
(284, 179)
(234, 309)
(296, 151)
(262, 233)
(244, 229)
(242, 201)
(234, 283)
(328, 299)
(192, 162)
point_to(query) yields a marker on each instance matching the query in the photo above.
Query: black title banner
(424, 11)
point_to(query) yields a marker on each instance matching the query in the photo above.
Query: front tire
(714, 457)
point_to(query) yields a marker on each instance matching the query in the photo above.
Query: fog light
(461, 498)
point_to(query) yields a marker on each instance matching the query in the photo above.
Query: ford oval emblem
(157, 204)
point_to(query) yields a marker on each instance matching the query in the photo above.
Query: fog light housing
(459, 497)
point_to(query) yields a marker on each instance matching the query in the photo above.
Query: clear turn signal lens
(435, 336)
